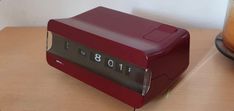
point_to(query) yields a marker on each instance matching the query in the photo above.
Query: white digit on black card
(97, 57)
(110, 63)
(120, 67)
(129, 69)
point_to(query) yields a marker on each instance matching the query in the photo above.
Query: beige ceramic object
(228, 33)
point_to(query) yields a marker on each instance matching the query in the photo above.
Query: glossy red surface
(128, 37)
(161, 48)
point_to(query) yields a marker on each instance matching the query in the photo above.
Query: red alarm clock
(130, 58)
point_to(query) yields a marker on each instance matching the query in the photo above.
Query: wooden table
(28, 83)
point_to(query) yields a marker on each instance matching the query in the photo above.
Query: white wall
(183, 13)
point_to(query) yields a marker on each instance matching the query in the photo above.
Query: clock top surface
(142, 34)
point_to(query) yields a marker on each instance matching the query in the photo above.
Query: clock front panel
(119, 71)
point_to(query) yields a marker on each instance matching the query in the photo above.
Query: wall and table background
(28, 83)
(183, 13)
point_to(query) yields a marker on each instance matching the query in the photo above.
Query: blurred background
(181, 13)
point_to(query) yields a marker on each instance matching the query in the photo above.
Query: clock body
(130, 58)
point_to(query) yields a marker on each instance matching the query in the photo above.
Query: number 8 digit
(97, 57)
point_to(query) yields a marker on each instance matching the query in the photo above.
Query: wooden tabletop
(28, 83)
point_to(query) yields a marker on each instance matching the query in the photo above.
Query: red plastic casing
(161, 48)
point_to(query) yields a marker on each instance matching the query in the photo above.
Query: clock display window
(115, 69)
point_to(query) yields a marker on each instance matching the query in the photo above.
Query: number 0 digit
(110, 63)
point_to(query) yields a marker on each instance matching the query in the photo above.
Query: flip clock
(130, 58)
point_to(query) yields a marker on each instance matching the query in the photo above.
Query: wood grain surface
(28, 83)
